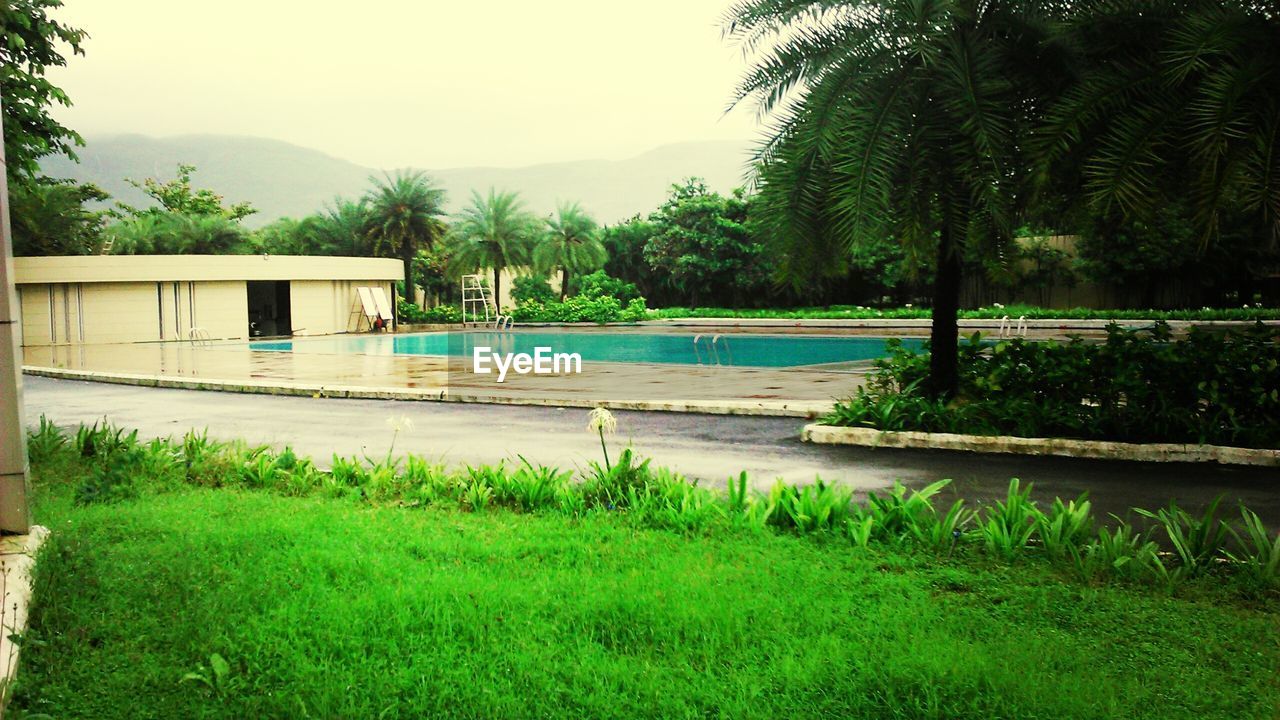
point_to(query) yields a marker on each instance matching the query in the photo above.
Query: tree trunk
(944, 335)
(406, 254)
(497, 287)
(564, 282)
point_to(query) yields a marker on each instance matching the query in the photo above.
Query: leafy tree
(494, 231)
(173, 233)
(1171, 101)
(284, 236)
(571, 244)
(339, 229)
(624, 244)
(532, 288)
(404, 215)
(31, 42)
(700, 242)
(599, 284)
(896, 119)
(50, 218)
(431, 268)
(177, 196)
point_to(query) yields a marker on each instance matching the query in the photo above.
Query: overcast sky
(391, 83)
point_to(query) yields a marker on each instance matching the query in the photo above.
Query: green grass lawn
(333, 608)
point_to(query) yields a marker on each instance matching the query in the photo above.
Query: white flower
(996, 305)
(602, 421)
(400, 423)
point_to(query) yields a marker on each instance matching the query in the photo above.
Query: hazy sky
(390, 83)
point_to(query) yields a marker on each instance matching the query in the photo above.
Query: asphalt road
(708, 448)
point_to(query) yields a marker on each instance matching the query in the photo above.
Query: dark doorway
(269, 313)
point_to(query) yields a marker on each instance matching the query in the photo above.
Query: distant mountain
(282, 180)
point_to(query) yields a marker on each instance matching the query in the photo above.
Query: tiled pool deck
(799, 392)
(234, 366)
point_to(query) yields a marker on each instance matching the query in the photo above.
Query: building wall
(61, 313)
(106, 299)
(325, 307)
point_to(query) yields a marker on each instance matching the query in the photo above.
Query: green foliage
(177, 234)
(1259, 554)
(581, 308)
(178, 197)
(600, 284)
(1196, 541)
(409, 313)
(31, 42)
(701, 245)
(494, 231)
(612, 486)
(813, 508)
(1065, 526)
(113, 466)
(570, 244)
(49, 217)
(624, 243)
(1138, 386)
(432, 612)
(901, 120)
(994, 312)
(1172, 105)
(45, 441)
(403, 215)
(1011, 523)
(532, 289)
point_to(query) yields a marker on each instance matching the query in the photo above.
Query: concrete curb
(925, 323)
(708, 407)
(1063, 447)
(17, 560)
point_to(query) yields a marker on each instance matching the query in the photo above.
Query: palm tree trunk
(406, 255)
(944, 334)
(564, 282)
(497, 286)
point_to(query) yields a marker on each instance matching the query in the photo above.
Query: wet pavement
(706, 447)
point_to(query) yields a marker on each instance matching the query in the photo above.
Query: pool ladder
(1010, 328)
(714, 346)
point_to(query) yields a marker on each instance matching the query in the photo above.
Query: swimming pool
(739, 349)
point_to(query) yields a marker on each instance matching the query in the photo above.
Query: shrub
(580, 308)
(411, 314)
(601, 284)
(1137, 386)
(529, 288)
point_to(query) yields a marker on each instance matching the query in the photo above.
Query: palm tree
(340, 229)
(404, 214)
(571, 244)
(1175, 101)
(494, 231)
(894, 118)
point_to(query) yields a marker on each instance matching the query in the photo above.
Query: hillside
(281, 179)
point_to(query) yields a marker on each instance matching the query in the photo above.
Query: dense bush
(530, 288)
(993, 312)
(411, 314)
(580, 308)
(601, 284)
(1137, 386)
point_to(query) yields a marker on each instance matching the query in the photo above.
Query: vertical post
(14, 516)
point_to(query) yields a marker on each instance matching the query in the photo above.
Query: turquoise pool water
(740, 350)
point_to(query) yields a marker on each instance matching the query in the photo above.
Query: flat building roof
(196, 268)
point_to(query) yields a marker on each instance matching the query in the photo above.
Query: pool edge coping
(1061, 447)
(800, 409)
